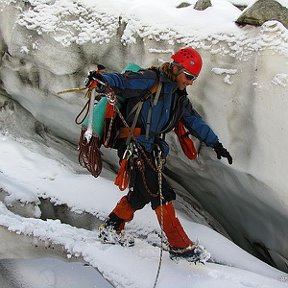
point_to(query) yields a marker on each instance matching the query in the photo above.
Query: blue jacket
(172, 105)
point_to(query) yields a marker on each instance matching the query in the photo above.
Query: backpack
(103, 126)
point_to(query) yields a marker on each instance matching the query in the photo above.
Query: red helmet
(189, 59)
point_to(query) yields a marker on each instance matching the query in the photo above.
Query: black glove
(222, 152)
(94, 75)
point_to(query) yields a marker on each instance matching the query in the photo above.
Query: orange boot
(172, 227)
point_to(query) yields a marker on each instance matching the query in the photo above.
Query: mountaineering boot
(112, 232)
(109, 235)
(193, 253)
(180, 244)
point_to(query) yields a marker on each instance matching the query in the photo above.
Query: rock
(262, 11)
(202, 4)
(240, 7)
(183, 5)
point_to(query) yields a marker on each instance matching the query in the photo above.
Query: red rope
(90, 155)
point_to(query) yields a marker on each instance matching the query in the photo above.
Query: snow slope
(123, 267)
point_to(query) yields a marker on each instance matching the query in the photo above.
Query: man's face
(182, 79)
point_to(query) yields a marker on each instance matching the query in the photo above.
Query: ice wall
(242, 93)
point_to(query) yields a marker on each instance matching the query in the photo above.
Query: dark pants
(144, 187)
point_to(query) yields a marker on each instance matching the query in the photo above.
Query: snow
(280, 79)
(174, 25)
(227, 72)
(49, 272)
(236, 59)
(24, 177)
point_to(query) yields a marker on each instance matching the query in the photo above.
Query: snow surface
(49, 272)
(23, 174)
(76, 22)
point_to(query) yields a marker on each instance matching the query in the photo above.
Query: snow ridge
(82, 22)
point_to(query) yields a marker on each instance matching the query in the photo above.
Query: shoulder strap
(139, 105)
(148, 123)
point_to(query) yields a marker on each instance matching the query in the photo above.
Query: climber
(158, 115)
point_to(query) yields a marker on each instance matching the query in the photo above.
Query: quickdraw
(111, 113)
(122, 178)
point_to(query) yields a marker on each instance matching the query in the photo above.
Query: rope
(72, 90)
(89, 143)
(89, 154)
(141, 167)
(86, 107)
(159, 170)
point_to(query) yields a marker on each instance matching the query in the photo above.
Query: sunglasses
(189, 76)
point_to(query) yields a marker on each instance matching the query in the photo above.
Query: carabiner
(127, 154)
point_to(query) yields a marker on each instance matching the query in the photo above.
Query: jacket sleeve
(115, 80)
(131, 84)
(197, 126)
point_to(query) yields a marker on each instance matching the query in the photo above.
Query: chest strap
(124, 132)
